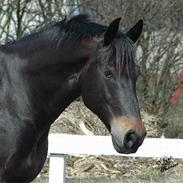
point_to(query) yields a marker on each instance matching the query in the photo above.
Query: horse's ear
(111, 32)
(135, 32)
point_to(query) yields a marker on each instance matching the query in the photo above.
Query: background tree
(159, 51)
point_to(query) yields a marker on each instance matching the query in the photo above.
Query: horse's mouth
(124, 150)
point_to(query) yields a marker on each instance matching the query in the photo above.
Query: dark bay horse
(41, 74)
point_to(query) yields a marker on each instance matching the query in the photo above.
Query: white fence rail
(63, 144)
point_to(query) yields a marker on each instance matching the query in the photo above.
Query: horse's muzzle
(131, 143)
(128, 134)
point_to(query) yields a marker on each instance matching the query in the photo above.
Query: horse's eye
(108, 74)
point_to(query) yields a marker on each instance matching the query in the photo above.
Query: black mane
(124, 50)
(74, 29)
(82, 25)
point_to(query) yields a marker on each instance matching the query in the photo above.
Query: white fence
(62, 144)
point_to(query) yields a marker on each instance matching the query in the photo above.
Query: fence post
(57, 168)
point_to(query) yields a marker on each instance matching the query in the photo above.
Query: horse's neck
(55, 85)
(50, 77)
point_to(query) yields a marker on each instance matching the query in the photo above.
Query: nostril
(131, 139)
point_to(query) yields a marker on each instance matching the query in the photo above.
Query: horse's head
(109, 87)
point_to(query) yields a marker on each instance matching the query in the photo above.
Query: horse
(42, 73)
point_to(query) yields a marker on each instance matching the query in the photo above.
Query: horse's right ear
(111, 32)
(135, 31)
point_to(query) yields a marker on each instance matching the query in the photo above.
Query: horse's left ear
(111, 32)
(135, 32)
